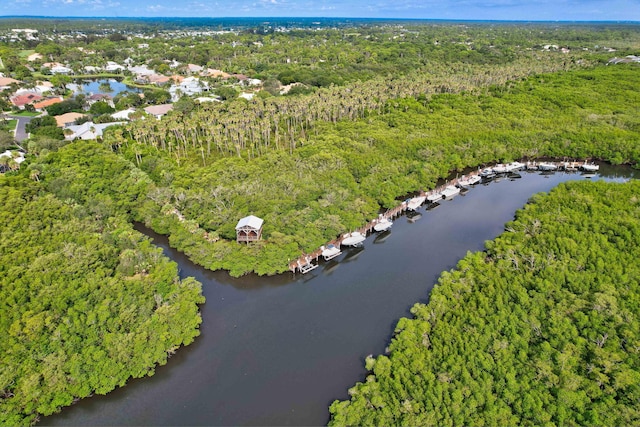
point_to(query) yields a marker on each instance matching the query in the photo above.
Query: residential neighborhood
(77, 93)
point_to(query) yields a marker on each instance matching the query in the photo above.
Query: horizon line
(323, 17)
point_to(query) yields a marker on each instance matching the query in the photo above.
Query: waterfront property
(249, 229)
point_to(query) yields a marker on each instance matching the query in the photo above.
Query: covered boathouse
(249, 229)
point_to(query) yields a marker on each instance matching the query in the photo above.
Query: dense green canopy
(86, 303)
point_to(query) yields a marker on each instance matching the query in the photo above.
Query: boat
(330, 251)
(449, 192)
(383, 224)
(353, 239)
(434, 197)
(531, 166)
(468, 181)
(500, 168)
(487, 174)
(570, 166)
(487, 171)
(515, 166)
(590, 167)
(414, 203)
(547, 167)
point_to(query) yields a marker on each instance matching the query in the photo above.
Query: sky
(519, 10)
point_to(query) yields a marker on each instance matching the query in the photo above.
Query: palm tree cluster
(251, 129)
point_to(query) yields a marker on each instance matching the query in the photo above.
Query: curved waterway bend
(279, 350)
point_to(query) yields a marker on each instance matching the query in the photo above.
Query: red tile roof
(46, 103)
(25, 98)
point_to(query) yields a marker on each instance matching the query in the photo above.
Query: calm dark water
(279, 350)
(93, 87)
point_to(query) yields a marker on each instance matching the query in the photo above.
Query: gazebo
(249, 229)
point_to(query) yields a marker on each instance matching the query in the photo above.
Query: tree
(184, 105)
(227, 93)
(60, 82)
(101, 107)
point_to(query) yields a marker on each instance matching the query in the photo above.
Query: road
(20, 133)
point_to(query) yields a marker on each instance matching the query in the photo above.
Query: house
(189, 86)
(211, 72)
(158, 79)
(67, 119)
(25, 98)
(249, 229)
(92, 99)
(194, 69)
(17, 158)
(61, 69)
(6, 82)
(41, 105)
(113, 67)
(247, 96)
(124, 114)
(158, 110)
(252, 82)
(141, 71)
(87, 130)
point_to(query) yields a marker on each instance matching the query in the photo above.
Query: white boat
(515, 166)
(330, 251)
(590, 167)
(434, 197)
(383, 224)
(415, 202)
(547, 167)
(467, 181)
(500, 168)
(353, 239)
(450, 192)
(487, 174)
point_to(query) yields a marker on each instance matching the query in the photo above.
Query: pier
(304, 263)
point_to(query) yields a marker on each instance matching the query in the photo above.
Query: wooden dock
(304, 263)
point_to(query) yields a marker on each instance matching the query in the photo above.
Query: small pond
(110, 87)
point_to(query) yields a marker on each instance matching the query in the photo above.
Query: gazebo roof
(250, 221)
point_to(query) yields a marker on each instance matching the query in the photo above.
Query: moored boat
(330, 251)
(353, 239)
(487, 173)
(590, 167)
(515, 166)
(468, 181)
(547, 167)
(500, 168)
(434, 196)
(415, 202)
(450, 192)
(383, 224)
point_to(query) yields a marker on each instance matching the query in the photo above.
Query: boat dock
(305, 263)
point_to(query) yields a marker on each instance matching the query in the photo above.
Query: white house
(61, 69)
(189, 86)
(124, 114)
(249, 229)
(113, 67)
(87, 130)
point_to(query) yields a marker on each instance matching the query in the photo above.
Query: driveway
(20, 133)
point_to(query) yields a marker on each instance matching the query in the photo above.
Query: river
(278, 350)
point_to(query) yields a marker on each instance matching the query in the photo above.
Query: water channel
(279, 350)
